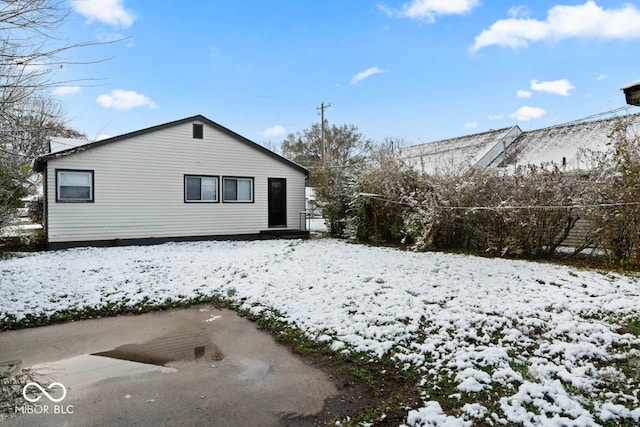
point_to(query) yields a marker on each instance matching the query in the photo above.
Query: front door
(277, 202)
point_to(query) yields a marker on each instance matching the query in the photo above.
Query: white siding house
(191, 179)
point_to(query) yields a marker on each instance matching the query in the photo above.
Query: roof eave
(630, 85)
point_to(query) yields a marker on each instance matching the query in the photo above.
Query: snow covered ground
(507, 341)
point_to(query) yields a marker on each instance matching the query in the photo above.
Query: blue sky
(420, 70)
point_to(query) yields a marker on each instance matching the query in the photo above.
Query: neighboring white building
(311, 204)
(563, 145)
(190, 179)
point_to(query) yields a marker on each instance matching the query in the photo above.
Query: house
(632, 93)
(190, 179)
(563, 145)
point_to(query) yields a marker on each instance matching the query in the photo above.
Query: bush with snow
(526, 211)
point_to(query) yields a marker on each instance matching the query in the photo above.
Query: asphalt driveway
(196, 366)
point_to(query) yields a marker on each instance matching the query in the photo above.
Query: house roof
(565, 144)
(57, 144)
(630, 85)
(40, 162)
(562, 144)
(632, 92)
(453, 152)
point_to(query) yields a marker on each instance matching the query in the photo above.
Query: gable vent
(198, 131)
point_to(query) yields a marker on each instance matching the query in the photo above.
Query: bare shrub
(613, 196)
(376, 211)
(540, 213)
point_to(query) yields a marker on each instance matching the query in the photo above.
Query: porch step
(284, 234)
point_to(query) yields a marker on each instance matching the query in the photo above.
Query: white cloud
(582, 21)
(524, 114)
(471, 125)
(558, 87)
(524, 94)
(276, 130)
(366, 73)
(602, 77)
(66, 90)
(427, 10)
(111, 12)
(496, 117)
(518, 11)
(124, 100)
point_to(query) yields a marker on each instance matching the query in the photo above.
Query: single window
(200, 188)
(237, 190)
(74, 186)
(198, 131)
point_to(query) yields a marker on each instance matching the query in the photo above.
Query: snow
(556, 144)
(452, 153)
(543, 336)
(432, 415)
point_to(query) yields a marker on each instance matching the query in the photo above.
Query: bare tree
(30, 55)
(333, 161)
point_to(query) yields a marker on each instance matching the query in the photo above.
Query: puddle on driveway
(183, 347)
(196, 366)
(256, 370)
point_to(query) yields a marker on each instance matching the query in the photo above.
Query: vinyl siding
(578, 234)
(139, 188)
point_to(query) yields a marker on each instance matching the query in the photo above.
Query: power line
(381, 197)
(594, 116)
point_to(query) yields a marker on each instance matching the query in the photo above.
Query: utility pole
(321, 108)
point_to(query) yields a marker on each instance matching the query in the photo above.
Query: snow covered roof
(565, 144)
(450, 153)
(561, 144)
(630, 85)
(60, 144)
(632, 92)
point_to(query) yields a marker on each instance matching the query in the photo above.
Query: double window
(200, 189)
(74, 185)
(204, 189)
(237, 190)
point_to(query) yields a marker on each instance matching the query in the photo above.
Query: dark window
(74, 186)
(198, 131)
(200, 188)
(237, 190)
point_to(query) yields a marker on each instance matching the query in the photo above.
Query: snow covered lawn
(495, 340)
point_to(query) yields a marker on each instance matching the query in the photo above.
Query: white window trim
(217, 186)
(60, 199)
(237, 178)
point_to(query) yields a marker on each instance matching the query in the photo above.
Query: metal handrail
(305, 220)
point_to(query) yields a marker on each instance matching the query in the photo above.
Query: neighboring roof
(632, 93)
(454, 152)
(630, 85)
(562, 144)
(40, 162)
(60, 144)
(565, 144)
